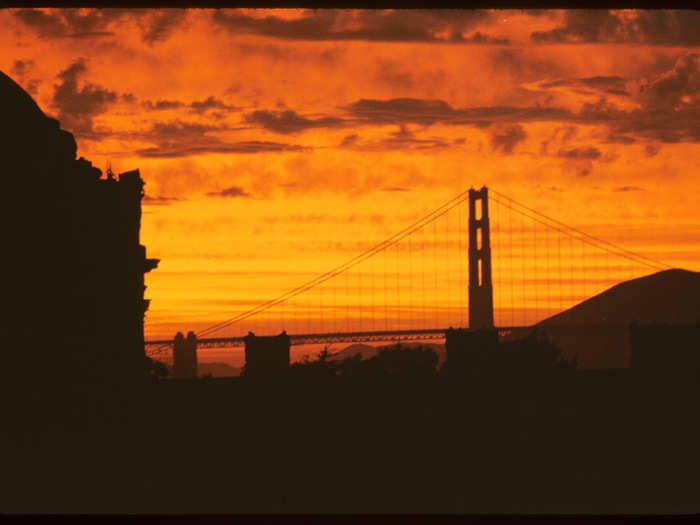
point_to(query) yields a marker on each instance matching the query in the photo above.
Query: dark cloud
(581, 26)
(215, 146)
(210, 103)
(651, 150)
(507, 137)
(289, 121)
(402, 139)
(653, 27)
(525, 64)
(349, 140)
(22, 67)
(482, 38)
(155, 24)
(180, 129)
(662, 126)
(71, 23)
(604, 85)
(428, 112)
(560, 135)
(670, 101)
(396, 75)
(158, 25)
(159, 201)
(629, 188)
(402, 110)
(581, 153)
(677, 88)
(46, 25)
(182, 139)
(162, 104)
(21, 70)
(624, 126)
(370, 25)
(669, 112)
(233, 191)
(600, 111)
(204, 144)
(32, 85)
(78, 106)
(620, 139)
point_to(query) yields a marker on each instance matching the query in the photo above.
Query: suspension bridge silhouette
(481, 260)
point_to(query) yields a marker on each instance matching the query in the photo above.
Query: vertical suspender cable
(446, 270)
(536, 271)
(522, 266)
(559, 272)
(422, 256)
(572, 284)
(548, 300)
(386, 293)
(371, 273)
(511, 277)
(359, 294)
(461, 271)
(410, 283)
(496, 269)
(398, 298)
(435, 301)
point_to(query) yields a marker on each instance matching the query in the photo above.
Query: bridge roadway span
(337, 337)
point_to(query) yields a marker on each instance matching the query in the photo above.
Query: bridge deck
(332, 337)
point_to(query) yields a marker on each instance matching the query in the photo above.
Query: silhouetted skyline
(321, 176)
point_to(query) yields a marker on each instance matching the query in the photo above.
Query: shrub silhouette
(396, 361)
(321, 367)
(156, 369)
(532, 356)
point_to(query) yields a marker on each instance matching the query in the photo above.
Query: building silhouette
(470, 351)
(266, 356)
(73, 265)
(185, 356)
(665, 352)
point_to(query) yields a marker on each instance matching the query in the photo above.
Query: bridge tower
(185, 356)
(480, 287)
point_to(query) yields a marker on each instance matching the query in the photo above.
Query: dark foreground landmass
(586, 443)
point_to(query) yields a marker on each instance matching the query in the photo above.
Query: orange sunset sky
(277, 144)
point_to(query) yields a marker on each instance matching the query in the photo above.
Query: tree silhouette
(322, 366)
(395, 361)
(156, 369)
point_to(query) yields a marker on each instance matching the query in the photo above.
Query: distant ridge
(597, 329)
(368, 351)
(669, 296)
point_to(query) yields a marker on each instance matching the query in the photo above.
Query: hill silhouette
(364, 351)
(368, 351)
(217, 369)
(597, 329)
